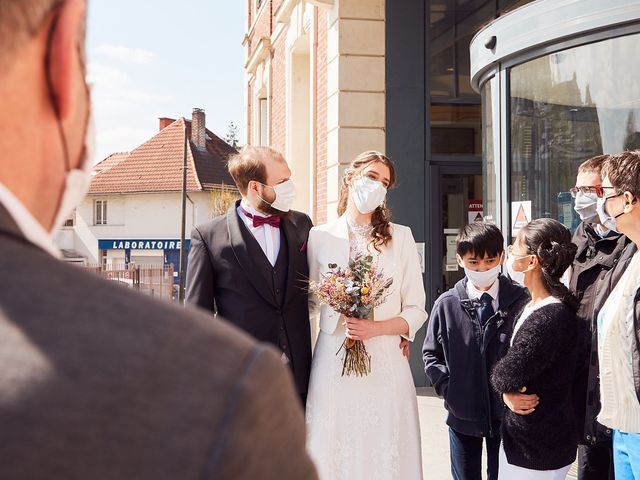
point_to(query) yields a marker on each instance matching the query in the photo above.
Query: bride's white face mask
(367, 194)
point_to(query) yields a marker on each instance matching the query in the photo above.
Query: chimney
(198, 135)
(165, 122)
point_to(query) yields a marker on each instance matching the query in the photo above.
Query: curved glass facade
(566, 107)
(548, 107)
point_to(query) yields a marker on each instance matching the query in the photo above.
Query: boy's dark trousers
(466, 456)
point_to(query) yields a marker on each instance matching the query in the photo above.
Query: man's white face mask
(285, 196)
(77, 180)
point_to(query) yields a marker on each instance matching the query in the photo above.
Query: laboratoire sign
(141, 244)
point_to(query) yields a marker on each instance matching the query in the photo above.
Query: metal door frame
(435, 252)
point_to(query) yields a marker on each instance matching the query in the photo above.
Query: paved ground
(435, 436)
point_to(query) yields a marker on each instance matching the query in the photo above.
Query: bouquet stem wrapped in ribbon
(353, 292)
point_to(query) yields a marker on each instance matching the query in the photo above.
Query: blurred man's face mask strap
(77, 179)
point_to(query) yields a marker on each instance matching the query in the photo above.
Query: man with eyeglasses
(599, 250)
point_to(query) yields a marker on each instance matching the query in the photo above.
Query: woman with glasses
(542, 358)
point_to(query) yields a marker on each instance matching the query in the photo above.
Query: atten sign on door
(475, 210)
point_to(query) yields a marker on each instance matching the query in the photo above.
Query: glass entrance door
(459, 202)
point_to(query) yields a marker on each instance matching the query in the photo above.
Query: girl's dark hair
(550, 241)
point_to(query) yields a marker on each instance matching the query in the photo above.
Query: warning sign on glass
(475, 210)
(520, 216)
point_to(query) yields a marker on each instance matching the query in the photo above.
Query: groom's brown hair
(248, 165)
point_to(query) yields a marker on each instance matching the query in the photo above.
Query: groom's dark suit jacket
(229, 274)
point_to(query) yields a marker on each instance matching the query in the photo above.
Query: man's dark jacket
(230, 275)
(459, 354)
(599, 264)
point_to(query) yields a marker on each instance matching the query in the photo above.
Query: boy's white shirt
(475, 294)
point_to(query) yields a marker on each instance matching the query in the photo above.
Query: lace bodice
(359, 238)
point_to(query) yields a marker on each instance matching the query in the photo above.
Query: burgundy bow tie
(258, 221)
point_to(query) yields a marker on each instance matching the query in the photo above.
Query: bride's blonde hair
(381, 217)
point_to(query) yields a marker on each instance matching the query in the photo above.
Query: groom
(250, 265)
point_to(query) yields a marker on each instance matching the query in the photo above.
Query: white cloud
(122, 104)
(120, 139)
(136, 56)
(114, 92)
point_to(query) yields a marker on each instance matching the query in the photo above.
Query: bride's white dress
(364, 428)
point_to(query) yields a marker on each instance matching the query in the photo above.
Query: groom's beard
(266, 208)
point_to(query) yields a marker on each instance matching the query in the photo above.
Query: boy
(468, 333)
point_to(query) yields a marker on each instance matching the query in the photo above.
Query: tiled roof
(109, 162)
(156, 165)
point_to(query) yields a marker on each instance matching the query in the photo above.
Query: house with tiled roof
(133, 211)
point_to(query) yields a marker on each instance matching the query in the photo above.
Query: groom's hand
(404, 346)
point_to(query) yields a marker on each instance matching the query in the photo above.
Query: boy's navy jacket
(459, 354)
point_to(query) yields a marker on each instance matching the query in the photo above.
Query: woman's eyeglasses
(597, 189)
(511, 254)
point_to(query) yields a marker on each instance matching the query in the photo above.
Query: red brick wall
(321, 122)
(278, 112)
(278, 97)
(262, 27)
(263, 23)
(277, 94)
(249, 113)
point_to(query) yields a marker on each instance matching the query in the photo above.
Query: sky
(162, 58)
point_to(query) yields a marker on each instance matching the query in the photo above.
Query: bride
(366, 427)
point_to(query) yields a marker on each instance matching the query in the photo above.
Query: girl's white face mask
(515, 275)
(367, 194)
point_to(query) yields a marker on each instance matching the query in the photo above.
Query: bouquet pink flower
(353, 292)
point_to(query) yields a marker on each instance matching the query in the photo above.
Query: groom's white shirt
(329, 243)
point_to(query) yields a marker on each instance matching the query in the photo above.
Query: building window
(264, 122)
(455, 112)
(70, 220)
(101, 212)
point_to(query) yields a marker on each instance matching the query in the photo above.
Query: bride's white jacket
(399, 259)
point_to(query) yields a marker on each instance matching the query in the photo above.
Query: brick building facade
(315, 89)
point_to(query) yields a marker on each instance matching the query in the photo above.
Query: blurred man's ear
(631, 202)
(65, 51)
